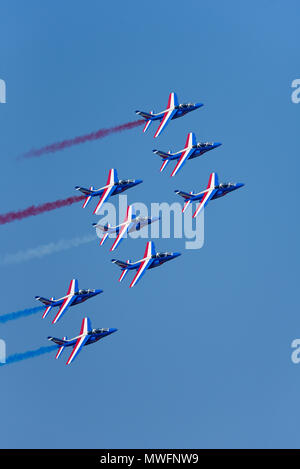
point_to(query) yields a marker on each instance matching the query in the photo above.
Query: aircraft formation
(132, 222)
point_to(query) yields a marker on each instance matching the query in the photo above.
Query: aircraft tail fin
(124, 272)
(102, 231)
(87, 192)
(165, 156)
(47, 310)
(106, 233)
(188, 197)
(148, 123)
(148, 116)
(145, 115)
(165, 162)
(48, 303)
(124, 266)
(88, 198)
(61, 348)
(187, 203)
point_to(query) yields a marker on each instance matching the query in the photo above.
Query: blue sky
(202, 354)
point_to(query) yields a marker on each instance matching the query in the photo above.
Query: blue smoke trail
(19, 314)
(17, 357)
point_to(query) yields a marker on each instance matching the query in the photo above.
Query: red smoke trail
(81, 139)
(37, 209)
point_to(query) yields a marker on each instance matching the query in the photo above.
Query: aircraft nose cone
(138, 181)
(176, 254)
(97, 292)
(113, 329)
(197, 105)
(239, 184)
(217, 144)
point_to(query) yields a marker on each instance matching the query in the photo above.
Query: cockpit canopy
(181, 106)
(83, 292)
(163, 254)
(125, 181)
(204, 144)
(97, 331)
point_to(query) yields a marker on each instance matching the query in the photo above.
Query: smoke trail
(46, 249)
(38, 209)
(17, 357)
(101, 133)
(20, 314)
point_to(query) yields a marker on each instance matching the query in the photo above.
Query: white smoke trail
(46, 249)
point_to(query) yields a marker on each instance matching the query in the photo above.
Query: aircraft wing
(105, 195)
(145, 263)
(185, 156)
(204, 201)
(190, 141)
(109, 188)
(82, 339)
(169, 113)
(124, 227)
(67, 301)
(209, 193)
(141, 270)
(119, 238)
(164, 122)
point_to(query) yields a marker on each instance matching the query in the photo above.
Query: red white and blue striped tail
(88, 198)
(148, 122)
(164, 165)
(125, 271)
(59, 351)
(187, 203)
(47, 309)
(165, 162)
(105, 236)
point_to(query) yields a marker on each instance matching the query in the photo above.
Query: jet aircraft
(191, 150)
(150, 260)
(213, 191)
(114, 186)
(130, 224)
(86, 336)
(73, 297)
(173, 111)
